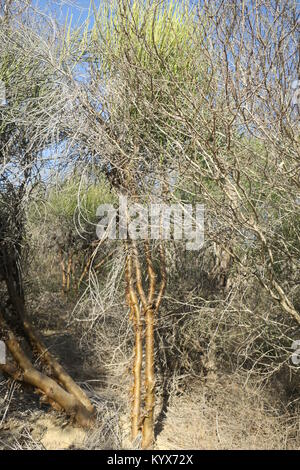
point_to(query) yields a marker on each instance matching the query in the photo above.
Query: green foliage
(155, 35)
(75, 199)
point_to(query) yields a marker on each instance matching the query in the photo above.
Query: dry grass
(28, 424)
(227, 415)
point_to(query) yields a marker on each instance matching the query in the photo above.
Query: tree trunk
(132, 300)
(63, 397)
(150, 309)
(148, 425)
(29, 374)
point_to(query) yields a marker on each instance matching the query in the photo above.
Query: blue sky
(77, 8)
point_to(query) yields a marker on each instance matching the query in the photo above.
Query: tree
(131, 52)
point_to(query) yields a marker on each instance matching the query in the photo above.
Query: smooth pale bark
(132, 300)
(150, 303)
(148, 425)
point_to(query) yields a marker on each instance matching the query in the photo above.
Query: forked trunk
(143, 418)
